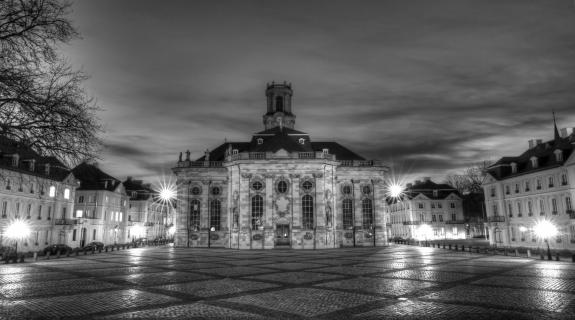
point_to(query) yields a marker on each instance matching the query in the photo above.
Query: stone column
(296, 211)
(379, 212)
(319, 211)
(269, 212)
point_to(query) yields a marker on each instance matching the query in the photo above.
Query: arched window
(257, 212)
(52, 191)
(347, 208)
(367, 213)
(307, 212)
(279, 104)
(195, 215)
(215, 214)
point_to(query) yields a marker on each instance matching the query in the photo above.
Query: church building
(280, 190)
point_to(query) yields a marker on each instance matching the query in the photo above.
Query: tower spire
(557, 136)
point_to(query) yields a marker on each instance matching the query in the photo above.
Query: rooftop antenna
(557, 136)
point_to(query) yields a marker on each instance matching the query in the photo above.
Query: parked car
(141, 241)
(53, 249)
(95, 245)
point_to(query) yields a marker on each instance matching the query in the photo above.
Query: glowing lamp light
(172, 230)
(395, 190)
(545, 229)
(425, 231)
(522, 229)
(18, 229)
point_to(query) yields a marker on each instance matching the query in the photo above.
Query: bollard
(516, 253)
(557, 256)
(48, 255)
(58, 254)
(456, 248)
(35, 256)
(450, 246)
(462, 248)
(542, 256)
(528, 253)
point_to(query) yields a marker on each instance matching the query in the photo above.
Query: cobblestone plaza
(396, 282)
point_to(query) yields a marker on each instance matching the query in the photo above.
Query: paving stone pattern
(395, 282)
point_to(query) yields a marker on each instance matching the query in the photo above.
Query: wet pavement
(397, 282)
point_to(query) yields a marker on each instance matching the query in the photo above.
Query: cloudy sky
(433, 86)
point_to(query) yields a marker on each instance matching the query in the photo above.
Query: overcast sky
(433, 86)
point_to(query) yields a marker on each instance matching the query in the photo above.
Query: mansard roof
(143, 191)
(544, 152)
(92, 178)
(8, 147)
(427, 188)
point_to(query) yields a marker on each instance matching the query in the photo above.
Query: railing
(455, 222)
(62, 222)
(149, 224)
(257, 155)
(412, 223)
(186, 164)
(306, 155)
(496, 219)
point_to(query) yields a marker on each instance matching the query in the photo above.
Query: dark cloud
(433, 86)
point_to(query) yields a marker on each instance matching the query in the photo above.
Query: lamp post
(17, 230)
(545, 230)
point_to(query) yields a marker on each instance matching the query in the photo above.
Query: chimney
(531, 143)
(538, 141)
(426, 179)
(564, 132)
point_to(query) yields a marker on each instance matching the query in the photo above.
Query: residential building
(100, 208)
(521, 191)
(147, 216)
(426, 211)
(281, 189)
(39, 190)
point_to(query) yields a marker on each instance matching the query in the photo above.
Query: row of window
(520, 208)
(420, 205)
(281, 187)
(527, 187)
(51, 189)
(257, 211)
(422, 217)
(26, 211)
(92, 199)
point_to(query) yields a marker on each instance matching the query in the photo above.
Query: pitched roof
(428, 188)
(544, 152)
(340, 152)
(137, 189)
(92, 178)
(9, 147)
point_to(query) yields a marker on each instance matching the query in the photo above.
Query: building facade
(280, 190)
(426, 211)
(39, 190)
(535, 186)
(101, 204)
(147, 217)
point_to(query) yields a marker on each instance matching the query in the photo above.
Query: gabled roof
(92, 178)
(544, 152)
(9, 147)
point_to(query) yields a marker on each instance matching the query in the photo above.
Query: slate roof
(58, 171)
(282, 138)
(544, 153)
(92, 178)
(142, 190)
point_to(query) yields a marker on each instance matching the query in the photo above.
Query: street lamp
(545, 230)
(17, 230)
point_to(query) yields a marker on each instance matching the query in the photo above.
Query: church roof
(92, 178)
(341, 152)
(428, 188)
(544, 152)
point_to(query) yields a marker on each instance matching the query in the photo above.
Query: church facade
(280, 190)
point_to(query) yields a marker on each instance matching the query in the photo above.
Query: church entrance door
(282, 235)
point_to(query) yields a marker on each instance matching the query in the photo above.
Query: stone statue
(188, 155)
(180, 157)
(328, 216)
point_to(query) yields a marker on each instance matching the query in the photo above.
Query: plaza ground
(396, 282)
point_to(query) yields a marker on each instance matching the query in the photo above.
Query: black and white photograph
(303, 159)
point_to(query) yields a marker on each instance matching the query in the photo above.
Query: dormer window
(534, 162)
(15, 159)
(325, 150)
(513, 167)
(260, 141)
(558, 155)
(235, 151)
(301, 140)
(435, 193)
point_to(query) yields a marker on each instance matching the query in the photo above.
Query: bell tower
(279, 106)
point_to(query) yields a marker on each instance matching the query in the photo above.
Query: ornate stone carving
(269, 176)
(294, 175)
(206, 182)
(247, 175)
(317, 175)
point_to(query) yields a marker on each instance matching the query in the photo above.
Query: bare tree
(42, 102)
(469, 181)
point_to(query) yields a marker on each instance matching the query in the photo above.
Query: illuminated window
(66, 193)
(367, 213)
(347, 209)
(257, 211)
(52, 192)
(307, 212)
(195, 214)
(79, 213)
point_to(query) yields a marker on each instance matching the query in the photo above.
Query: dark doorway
(83, 238)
